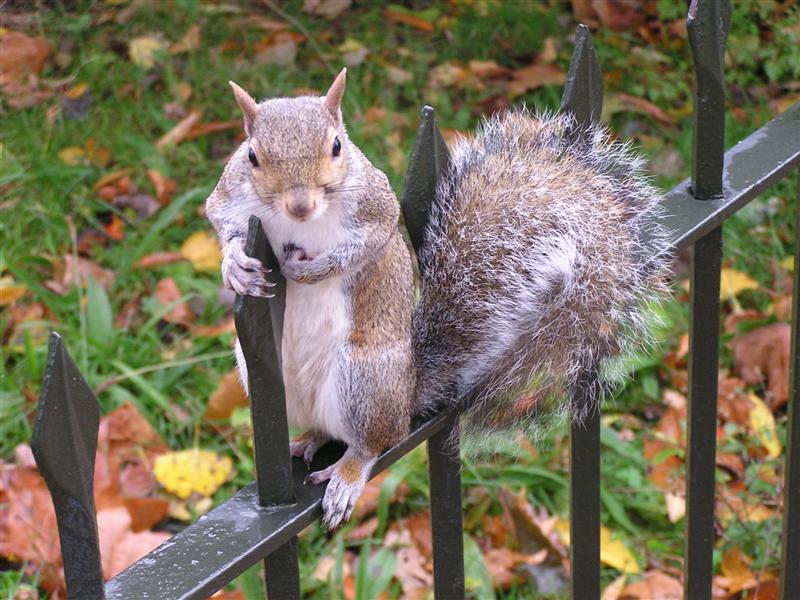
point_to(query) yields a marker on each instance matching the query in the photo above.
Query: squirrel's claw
(244, 274)
(347, 476)
(306, 446)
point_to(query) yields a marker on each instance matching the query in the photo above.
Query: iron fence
(261, 521)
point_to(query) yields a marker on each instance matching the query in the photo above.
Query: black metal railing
(261, 521)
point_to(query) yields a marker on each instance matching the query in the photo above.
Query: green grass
(160, 367)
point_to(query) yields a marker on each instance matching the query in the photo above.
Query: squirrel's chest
(316, 326)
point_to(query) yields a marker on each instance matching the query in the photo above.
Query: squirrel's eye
(337, 147)
(252, 156)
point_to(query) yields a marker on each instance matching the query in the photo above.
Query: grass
(160, 368)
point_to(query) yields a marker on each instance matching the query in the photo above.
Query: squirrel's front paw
(243, 274)
(298, 266)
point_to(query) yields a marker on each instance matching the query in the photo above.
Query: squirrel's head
(297, 148)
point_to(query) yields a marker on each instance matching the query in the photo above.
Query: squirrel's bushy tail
(538, 255)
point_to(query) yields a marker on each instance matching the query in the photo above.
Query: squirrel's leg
(347, 476)
(307, 444)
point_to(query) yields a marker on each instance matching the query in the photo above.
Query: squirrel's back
(540, 248)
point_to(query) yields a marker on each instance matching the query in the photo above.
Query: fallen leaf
(733, 282)
(764, 353)
(502, 565)
(329, 9)
(212, 127)
(189, 41)
(225, 327)
(22, 56)
(353, 52)
(115, 227)
(158, 259)
(410, 568)
(111, 178)
(228, 395)
(69, 272)
(73, 156)
(676, 506)
(278, 48)
(408, 18)
(192, 471)
(10, 292)
(202, 250)
(143, 205)
(164, 186)
(168, 294)
(146, 512)
(143, 50)
(762, 425)
(614, 553)
(120, 547)
(613, 590)
(654, 585)
(534, 76)
(178, 133)
(619, 15)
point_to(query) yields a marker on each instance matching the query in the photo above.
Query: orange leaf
(408, 19)
(168, 294)
(158, 259)
(164, 186)
(22, 56)
(180, 131)
(228, 395)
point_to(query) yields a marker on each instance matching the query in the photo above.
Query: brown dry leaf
(619, 15)
(119, 545)
(742, 316)
(28, 531)
(178, 133)
(213, 127)
(70, 272)
(164, 186)
(189, 41)
(654, 585)
(764, 353)
(10, 292)
(534, 76)
(115, 228)
(146, 512)
(168, 294)
(329, 9)
(734, 502)
(410, 19)
(502, 565)
(409, 570)
(614, 589)
(278, 48)
(222, 328)
(158, 259)
(228, 395)
(111, 178)
(419, 526)
(142, 204)
(362, 531)
(22, 56)
(640, 105)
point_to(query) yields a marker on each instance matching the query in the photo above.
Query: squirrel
(540, 249)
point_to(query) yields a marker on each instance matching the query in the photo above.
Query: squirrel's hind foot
(306, 445)
(347, 476)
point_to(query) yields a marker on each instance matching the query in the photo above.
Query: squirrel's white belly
(315, 329)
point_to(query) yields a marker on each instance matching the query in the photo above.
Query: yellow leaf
(10, 291)
(202, 250)
(192, 471)
(142, 50)
(788, 263)
(733, 282)
(614, 553)
(76, 91)
(762, 424)
(73, 156)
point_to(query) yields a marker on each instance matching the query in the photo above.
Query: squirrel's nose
(300, 204)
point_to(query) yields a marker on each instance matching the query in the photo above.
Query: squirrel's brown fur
(535, 261)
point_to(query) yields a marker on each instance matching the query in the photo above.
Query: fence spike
(708, 24)
(428, 161)
(583, 92)
(64, 444)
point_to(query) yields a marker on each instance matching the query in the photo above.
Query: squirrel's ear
(247, 104)
(333, 99)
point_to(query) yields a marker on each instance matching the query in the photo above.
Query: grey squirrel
(536, 258)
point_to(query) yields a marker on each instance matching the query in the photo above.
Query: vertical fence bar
(259, 322)
(64, 445)
(707, 24)
(790, 560)
(428, 161)
(583, 97)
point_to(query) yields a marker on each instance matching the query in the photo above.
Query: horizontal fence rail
(262, 521)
